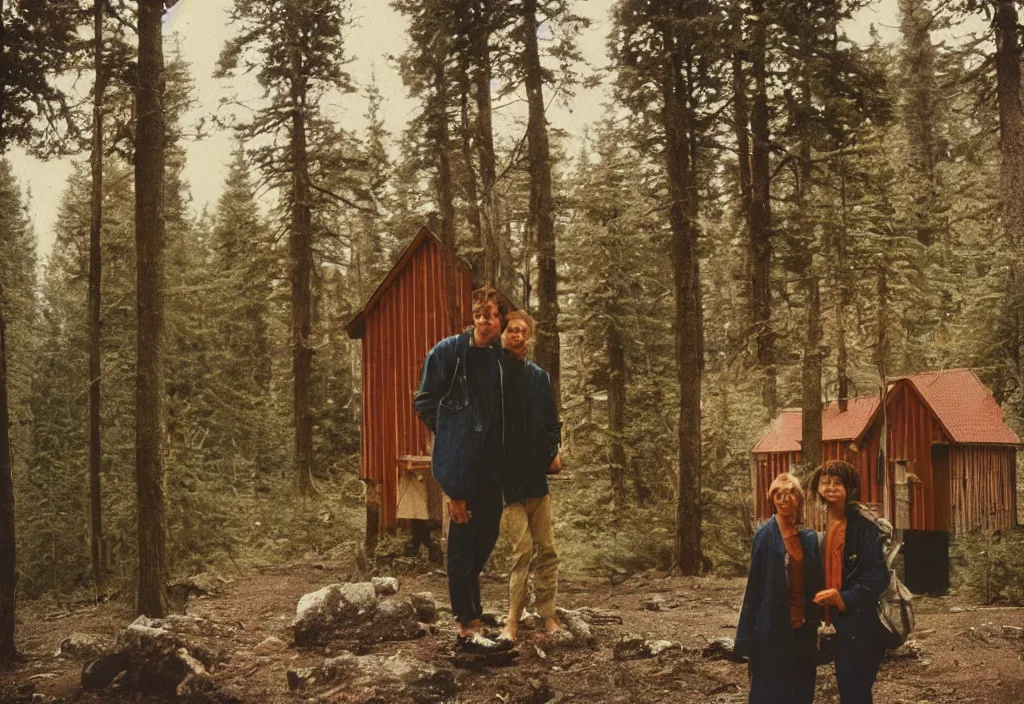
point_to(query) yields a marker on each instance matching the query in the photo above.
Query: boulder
(320, 614)
(394, 619)
(163, 657)
(385, 586)
(269, 646)
(719, 649)
(425, 606)
(83, 646)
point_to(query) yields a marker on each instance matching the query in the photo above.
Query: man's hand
(830, 597)
(556, 464)
(459, 512)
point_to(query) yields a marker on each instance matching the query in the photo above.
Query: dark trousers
(857, 663)
(790, 681)
(469, 546)
(420, 533)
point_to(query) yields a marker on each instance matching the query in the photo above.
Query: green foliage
(989, 566)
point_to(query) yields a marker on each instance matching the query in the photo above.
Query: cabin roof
(963, 405)
(357, 326)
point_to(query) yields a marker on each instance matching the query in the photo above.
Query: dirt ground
(954, 663)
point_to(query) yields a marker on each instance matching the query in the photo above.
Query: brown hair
(847, 474)
(787, 481)
(486, 295)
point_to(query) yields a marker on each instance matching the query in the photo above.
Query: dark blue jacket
(765, 631)
(537, 437)
(446, 406)
(864, 579)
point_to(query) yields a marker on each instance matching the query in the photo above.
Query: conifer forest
(715, 210)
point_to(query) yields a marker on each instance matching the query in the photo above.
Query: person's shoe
(505, 643)
(476, 644)
(411, 550)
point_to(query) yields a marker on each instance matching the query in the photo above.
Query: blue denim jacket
(446, 406)
(765, 631)
(865, 577)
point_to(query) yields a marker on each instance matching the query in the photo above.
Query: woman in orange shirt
(778, 624)
(855, 576)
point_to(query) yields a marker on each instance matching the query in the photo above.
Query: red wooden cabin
(952, 461)
(402, 320)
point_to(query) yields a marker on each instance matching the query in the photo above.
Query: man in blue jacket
(460, 400)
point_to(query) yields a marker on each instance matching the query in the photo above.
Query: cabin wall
(406, 322)
(983, 487)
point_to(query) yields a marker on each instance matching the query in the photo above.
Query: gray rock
(196, 681)
(377, 678)
(395, 619)
(633, 646)
(83, 646)
(576, 624)
(718, 649)
(425, 606)
(321, 613)
(385, 586)
(270, 645)
(657, 647)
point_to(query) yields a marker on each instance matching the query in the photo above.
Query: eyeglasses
(831, 481)
(786, 495)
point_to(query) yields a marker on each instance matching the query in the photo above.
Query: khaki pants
(528, 526)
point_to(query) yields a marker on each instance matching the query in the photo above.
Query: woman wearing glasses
(855, 576)
(778, 624)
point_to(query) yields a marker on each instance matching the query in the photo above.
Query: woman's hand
(830, 597)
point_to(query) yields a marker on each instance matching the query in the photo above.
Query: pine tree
(296, 74)
(670, 60)
(17, 282)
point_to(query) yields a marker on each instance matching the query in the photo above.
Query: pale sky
(201, 28)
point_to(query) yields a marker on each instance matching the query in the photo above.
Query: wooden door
(941, 490)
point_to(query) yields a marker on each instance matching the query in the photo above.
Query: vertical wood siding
(982, 477)
(408, 319)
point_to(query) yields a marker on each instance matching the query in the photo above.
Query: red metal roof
(965, 406)
(962, 403)
(783, 435)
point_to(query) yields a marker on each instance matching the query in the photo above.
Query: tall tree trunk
(149, 246)
(95, 274)
(760, 236)
(445, 192)
(689, 333)
(811, 427)
(617, 413)
(8, 575)
(300, 246)
(1011, 146)
(741, 110)
(498, 268)
(542, 216)
(479, 259)
(810, 437)
(843, 299)
(881, 351)
(918, 67)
